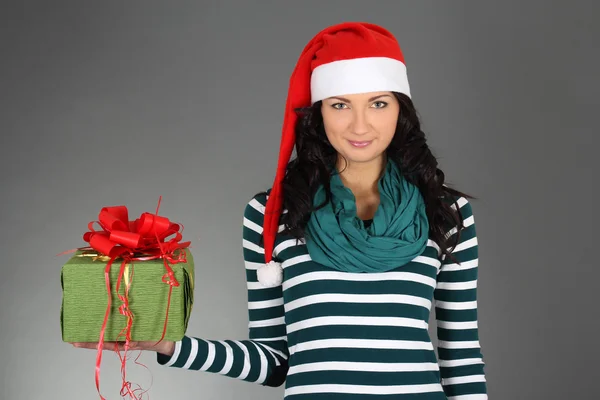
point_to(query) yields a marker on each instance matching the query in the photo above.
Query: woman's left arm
(460, 357)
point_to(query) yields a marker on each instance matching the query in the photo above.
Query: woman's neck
(361, 178)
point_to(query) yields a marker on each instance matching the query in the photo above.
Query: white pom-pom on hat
(270, 274)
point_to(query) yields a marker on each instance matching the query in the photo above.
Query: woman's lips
(362, 143)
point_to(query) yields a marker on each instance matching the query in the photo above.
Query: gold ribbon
(96, 256)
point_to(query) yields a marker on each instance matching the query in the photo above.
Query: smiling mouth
(362, 143)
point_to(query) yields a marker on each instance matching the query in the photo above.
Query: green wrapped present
(85, 299)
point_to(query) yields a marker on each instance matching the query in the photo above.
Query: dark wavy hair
(314, 157)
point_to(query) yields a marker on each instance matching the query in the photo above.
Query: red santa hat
(347, 58)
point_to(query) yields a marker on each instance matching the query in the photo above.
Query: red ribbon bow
(139, 240)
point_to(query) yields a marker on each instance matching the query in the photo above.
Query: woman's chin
(362, 157)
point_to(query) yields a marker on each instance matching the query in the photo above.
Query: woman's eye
(339, 106)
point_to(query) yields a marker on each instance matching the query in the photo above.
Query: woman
(356, 239)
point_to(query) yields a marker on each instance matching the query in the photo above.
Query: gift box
(85, 298)
(134, 282)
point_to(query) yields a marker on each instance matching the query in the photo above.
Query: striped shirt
(337, 335)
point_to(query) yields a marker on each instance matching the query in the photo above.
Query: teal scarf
(337, 238)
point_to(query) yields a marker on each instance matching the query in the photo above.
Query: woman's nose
(360, 124)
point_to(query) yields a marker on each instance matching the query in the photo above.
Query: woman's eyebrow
(371, 99)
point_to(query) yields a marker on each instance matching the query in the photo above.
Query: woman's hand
(165, 347)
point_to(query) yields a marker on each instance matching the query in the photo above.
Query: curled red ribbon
(140, 240)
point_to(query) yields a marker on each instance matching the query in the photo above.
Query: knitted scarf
(337, 238)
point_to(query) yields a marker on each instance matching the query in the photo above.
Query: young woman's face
(361, 126)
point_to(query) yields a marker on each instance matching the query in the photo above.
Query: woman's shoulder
(460, 203)
(454, 198)
(260, 197)
(255, 206)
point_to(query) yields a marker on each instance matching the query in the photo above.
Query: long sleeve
(263, 358)
(460, 357)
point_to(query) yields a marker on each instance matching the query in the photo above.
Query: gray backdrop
(115, 102)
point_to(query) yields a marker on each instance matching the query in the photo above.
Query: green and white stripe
(334, 335)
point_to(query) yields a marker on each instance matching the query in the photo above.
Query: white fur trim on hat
(359, 75)
(270, 274)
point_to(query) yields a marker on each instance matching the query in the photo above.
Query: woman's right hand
(165, 347)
